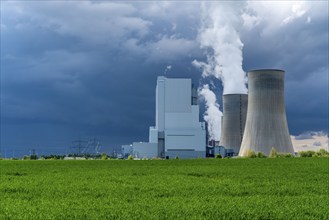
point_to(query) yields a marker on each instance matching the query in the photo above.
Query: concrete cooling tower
(233, 122)
(266, 124)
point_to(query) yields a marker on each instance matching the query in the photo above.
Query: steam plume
(219, 36)
(212, 115)
(220, 39)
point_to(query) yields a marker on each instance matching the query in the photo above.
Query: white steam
(212, 115)
(219, 37)
(168, 68)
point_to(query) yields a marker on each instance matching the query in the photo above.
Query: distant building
(145, 150)
(224, 152)
(213, 149)
(127, 150)
(177, 130)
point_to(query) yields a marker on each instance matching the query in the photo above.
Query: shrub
(273, 153)
(284, 155)
(104, 156)
(323, 152)
(25, 157)
(288, 155)
(218, 156)
(308, 153)
(261, 155)
(251, 154)
(33, 157)
(130, 157)
(176, 158)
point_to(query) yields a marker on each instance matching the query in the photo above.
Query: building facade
(177, 131)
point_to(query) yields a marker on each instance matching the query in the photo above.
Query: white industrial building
(177, 130)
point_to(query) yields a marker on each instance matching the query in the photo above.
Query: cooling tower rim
(265, 70)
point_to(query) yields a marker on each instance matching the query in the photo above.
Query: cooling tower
(266, 124)
(234, 118)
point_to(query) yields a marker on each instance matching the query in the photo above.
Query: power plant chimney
(266, 124)
(233, 121)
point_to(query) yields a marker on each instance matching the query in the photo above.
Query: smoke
(220, 39)
(212, 115)
(168, 68)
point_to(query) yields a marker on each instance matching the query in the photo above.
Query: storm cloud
(72, 70)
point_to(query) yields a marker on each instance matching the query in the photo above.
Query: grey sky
(73, 70)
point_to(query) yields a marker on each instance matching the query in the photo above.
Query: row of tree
(275, 154)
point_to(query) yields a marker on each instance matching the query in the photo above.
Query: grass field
(281, 188)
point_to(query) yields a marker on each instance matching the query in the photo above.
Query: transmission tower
(80, 145)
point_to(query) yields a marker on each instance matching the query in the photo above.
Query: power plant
(233, 121)
(177, 131)
(266, 123)
(251, 122)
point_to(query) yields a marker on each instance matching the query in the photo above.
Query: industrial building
(266, 124)
(254, 122)
(177, 131)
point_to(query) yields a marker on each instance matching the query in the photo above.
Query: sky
(75, 70)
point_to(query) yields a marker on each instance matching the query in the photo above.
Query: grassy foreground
(281, 188)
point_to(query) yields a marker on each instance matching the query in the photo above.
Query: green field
(280, 188)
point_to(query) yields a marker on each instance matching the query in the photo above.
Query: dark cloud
(71, 71)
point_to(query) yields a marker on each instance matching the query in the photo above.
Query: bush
(130, 157)
(33, 157)
(284, 155)
(218, 156)
(261, 155)
(25, 157)
(323, 152)
(251, 154)
(273, 153)
(104, 156)
(288, 155)
(308, 153)
(176, 158)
